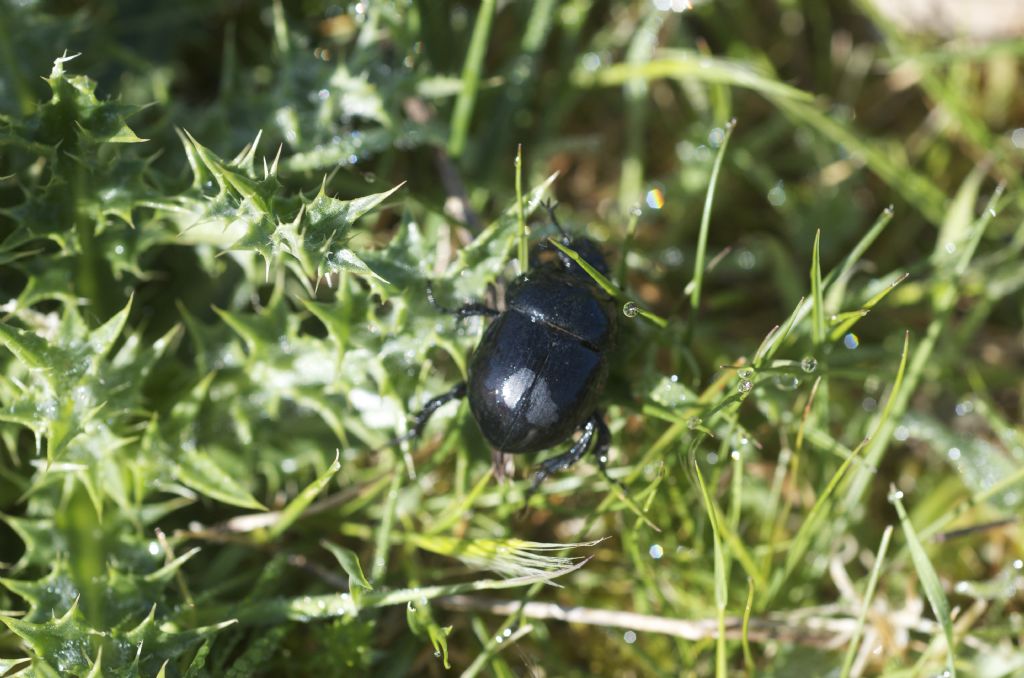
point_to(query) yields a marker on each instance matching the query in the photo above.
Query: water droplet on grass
(655, 199)
(851, 341)
(786, 382)
(656, 551)
(629, 637)
(630, 309)
(745, 386)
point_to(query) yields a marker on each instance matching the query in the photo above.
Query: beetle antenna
(551, 206)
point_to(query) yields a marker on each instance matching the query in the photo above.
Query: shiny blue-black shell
(539, 369)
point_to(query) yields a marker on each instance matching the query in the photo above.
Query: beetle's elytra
(538, 372)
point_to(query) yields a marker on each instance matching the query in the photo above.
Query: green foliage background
(217, 220)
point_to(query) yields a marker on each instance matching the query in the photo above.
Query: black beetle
(537, 374)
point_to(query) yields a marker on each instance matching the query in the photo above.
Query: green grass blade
(462, 115)
(524, 243)
(683, 65)
(869, 594)
(607, 285)
(817, 300)
(929, 580)
(302, 501)
(705, 225)
(810, 527)
(721, 585)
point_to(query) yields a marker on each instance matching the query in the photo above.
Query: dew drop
(655, 199)
(953, 453)
(786, 382)
(629, 637)
(693, 423)
(895, 496)
(777, 195)
(656, 551)
(745, 373)
(712, 457)
(745, 386)
(591, 61)
(437, 653)
(1017, 137)
(635, 211)
(630, 309)
(964, 408)
(851, 341)
(809, 364)
(507, 632)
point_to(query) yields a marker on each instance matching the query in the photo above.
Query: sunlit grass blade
(524, 245)
(301, 502)
(817, 300)
(809, 530)
(684, 64)
(721, 585)
(705, 225)
(944, 297)
(607, 285)
(929, 580)
(748, 657)
(869, 594)
(846, 323)
(327, 606)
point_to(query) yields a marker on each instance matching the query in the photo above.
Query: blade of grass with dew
(524, 245)
(332, 605)
(929, 579)
(809, 529)
(942, 308)
(830, 280)
(721, 585)
(606, 284)
(382, 540)
(817, 299)
(780, 336)
(847, 321)
(684, 64)
(462, 114)
(799, 105)
(869, 593)
(301, 502)
(493, 646)
(820, 409)
(705, 225)
(836, 289)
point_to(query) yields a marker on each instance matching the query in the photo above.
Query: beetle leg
(551, 205)
(564, 461)
(466, 311)
(420, 419)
